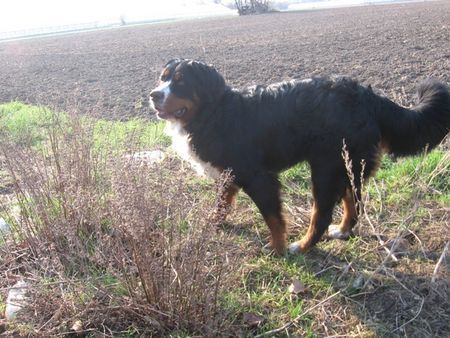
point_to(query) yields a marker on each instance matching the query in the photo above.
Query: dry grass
(107, 244)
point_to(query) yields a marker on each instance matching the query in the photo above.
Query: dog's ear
(211, 84)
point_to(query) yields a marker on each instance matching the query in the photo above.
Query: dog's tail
(410, 131)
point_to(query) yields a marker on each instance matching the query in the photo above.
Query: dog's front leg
(264, 190)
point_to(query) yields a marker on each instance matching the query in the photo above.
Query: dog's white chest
(180, 143)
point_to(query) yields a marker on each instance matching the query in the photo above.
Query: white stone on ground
(4, 227)
(149, 156)
(16, 299)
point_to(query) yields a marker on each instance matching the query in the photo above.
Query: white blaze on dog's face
(164, 88)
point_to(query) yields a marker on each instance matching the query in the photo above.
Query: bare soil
(110, 72)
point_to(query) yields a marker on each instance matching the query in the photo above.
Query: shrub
(246, 7)
(109, 244)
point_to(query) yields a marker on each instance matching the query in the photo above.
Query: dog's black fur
(263, 130)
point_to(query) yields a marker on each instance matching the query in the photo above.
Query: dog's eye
(178, 79)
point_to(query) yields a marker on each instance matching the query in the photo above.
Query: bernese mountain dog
(260, 131)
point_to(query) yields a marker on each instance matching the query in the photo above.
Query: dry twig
(441, 259)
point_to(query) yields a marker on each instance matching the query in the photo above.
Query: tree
(246, 7)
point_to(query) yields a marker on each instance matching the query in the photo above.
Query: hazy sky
(25, 14)
(19, 15)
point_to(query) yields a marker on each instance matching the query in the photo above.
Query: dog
(258, 132)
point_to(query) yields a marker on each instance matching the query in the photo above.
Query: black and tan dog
(258, 132)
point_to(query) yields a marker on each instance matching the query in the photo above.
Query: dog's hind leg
(326, 191)
(320, 220)
(349, 218)
(264, 190)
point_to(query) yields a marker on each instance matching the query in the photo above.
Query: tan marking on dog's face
(165, 73)
(175, 108)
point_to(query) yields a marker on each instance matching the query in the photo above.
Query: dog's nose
(156, 95)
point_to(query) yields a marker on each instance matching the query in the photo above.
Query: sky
(30, 14)
(20, 16)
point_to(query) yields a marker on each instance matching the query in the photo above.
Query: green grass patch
(297, 179)
(24, 124)
(30, 125)
(264, 290)
(118, 135)
(2, 304)
(426, 175)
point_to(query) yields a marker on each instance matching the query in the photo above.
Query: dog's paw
(297, 247)
(335, 232)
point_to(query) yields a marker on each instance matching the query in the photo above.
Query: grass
(24, 124)
(29, 125)
(127, 249)
(117, 134)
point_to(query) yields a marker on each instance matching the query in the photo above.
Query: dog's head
(185, 88)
